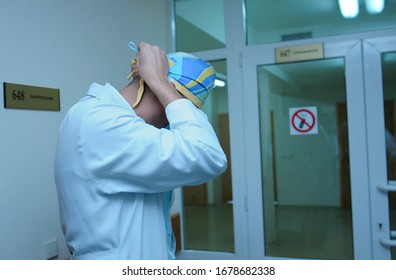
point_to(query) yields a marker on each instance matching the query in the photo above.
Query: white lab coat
(112, 171)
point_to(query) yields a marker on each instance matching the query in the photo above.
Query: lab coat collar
(108, 93)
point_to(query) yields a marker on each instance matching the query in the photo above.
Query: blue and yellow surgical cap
(193, 77)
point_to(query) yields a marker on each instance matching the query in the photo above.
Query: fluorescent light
(349, 8)
(219, 83)
(375, 6)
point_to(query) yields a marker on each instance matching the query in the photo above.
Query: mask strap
(133, 46)
(140, 92)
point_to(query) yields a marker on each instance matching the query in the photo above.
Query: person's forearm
(166, 93)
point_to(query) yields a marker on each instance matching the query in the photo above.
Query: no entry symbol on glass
(303, 121)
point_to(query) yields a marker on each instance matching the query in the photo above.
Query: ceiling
(268, 20)
(271, 20)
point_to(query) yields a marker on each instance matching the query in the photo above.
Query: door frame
(360, 126)
(245, 142)
(373, 48)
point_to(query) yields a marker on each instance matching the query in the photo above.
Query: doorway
(320, 124)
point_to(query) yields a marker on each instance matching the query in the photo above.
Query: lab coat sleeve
(124, 154)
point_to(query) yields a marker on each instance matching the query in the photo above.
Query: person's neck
(130, 91)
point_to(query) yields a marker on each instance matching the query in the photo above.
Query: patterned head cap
(193, 77)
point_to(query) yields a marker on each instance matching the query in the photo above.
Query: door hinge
(240, 60)
(246, 204)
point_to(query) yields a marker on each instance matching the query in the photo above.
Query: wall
(65, 45)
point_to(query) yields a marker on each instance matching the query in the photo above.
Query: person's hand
(153, 67)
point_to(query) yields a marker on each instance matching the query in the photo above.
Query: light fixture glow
(219, 83)
(349, 8)
(375, 6)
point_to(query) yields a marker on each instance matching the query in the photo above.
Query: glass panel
(208, 209)
(305, 160)
(389, 86)
(282, 20)
(199, 25)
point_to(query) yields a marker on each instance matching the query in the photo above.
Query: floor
(209, 228)
(312, 232)
(300, 232)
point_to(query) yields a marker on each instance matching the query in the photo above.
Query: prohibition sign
(303, 121)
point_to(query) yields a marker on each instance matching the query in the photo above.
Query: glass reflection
(283, 20)
(208, 208)
(199, 25)
(306, 185)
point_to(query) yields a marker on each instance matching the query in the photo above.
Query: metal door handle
(391, 187)
(386, 187)
(388, 242)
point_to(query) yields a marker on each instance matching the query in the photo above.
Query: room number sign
(18, 96)
(299, 53)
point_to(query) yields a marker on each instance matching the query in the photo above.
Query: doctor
(116, 163)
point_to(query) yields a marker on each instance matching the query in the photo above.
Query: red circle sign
(303, 121)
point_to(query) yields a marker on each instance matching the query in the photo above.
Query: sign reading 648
(18, 95)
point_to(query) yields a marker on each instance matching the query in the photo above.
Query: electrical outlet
(50, 249)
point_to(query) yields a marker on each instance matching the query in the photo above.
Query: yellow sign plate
(31, 97)
(299, 53)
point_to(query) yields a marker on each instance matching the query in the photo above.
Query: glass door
(380, 84)
(208, 224)
(310, 193)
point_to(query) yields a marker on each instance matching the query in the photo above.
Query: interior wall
(66, 45)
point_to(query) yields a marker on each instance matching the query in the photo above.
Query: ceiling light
(219, 83)
(375, 6)
(349, 8)
(220, 80)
